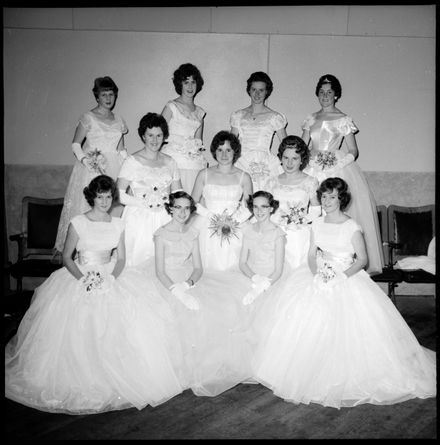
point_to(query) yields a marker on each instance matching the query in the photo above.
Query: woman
(296, 192)
(324, 131)
(95, 337)
(98, 146)
(146, 179)
(185, 123)
(255, 125)
(337, 339)
(221, 192)
(212, 325)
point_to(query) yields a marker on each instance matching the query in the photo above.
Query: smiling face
(103, 201)
(291, 161)
(189, 87)
(258, 92)
(261, 208)
(181, 210)
(330, 201)
(224, 153)
(326, 95)
(153, 138)
(106, 99)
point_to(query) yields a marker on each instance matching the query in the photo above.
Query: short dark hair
(183, 72)
(260, 76)
(180, 194)
(100, 184)
(334, 83)
(105, 83)
(152, 120)
(220, 138)
(274, 203)
(338, 184)
(297, 144)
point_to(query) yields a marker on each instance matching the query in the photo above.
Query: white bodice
(222, 197)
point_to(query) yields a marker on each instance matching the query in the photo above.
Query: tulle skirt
(215, 339)
(362, 209)
(339, 347)
(83, 354)
(297, 246)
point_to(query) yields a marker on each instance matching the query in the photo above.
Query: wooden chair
(411, 229)
(39, 220)
(388, 275)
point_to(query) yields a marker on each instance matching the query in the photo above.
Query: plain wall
(383, 55)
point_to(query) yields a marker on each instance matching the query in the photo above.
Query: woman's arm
(159, 261)
(311, 256)
(247, 187)
(306, 136)
(199, 132)
(198, 186)
(280, 243)
(361, 254)
(69, 247)
(197, 264)
(350, 141)
(167, 113)
(120, 258)
(244, 255)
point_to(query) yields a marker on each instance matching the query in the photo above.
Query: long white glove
(260, 283)
(179, 291)
(78, 151)
(242, 215)
(313, 213)
(203, 211)
(129, 200)
(124, 154)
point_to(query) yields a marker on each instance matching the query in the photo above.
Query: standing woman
(185, 124)
(296, 193)
(255, 125)
(146, 179)
(221, 192)
(324, 132)
(98, 146)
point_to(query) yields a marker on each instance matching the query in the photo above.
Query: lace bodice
(328, 135)
(184, 123)
(97, 235)
(262, 248)
(149, 180)
(256, 135)
(178, 247)
(222, 197)
(101, 135)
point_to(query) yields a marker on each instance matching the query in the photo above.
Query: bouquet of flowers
(326, 272)
(326, 159)
(155, 198)
(194, 147)
(296, 215)
(224, 226)
(96, 161)
(258, 170)
(92, 281)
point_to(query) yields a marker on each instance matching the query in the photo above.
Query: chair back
(40, 218)
(412, 227)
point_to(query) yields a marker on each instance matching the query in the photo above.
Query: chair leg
(391, 292)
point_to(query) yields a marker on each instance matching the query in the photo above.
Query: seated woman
(95, 338)
(211, 319)
(336, 338)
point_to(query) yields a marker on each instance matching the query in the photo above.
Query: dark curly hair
(104, 84)
(152, 120)
(334, 83)
(338, 184)
(180, 194)
(297, 144)
(260, 76)
(100, 184)
(274, 203)
(220, 138)
(183, 72)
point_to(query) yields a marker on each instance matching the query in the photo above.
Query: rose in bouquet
(155, 198)
(92, 281)
(194, 147)
(295, 215)
(96, 161)
(224, 226)
(326, 160)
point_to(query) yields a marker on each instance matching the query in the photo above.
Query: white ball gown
(103, 136)
(83, 353)
(344, 345)
(181, 144)
(214, 338)
(256, 136)
(327, 136)
(297, 233)
(151, 186)
(217, 252)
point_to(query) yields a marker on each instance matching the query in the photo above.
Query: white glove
(250, 297)
(179, 291)
(129, 200)
(242, 215)
(260, 282)
(203, 211)
(78, 151)
(313, 213)
(124, 154)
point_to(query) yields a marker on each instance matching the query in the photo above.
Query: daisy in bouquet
(224, 226)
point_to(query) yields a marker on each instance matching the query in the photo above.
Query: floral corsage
(224, 226)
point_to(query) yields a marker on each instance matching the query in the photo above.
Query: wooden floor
(246, 411)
